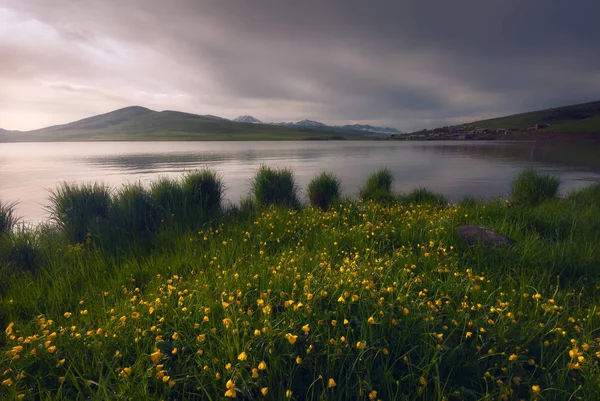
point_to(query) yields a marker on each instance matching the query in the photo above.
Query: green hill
(141, 124)
(579, 118)
(580, 121)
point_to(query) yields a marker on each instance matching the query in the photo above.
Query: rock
(482, 235)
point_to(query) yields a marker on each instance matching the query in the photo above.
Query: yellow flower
(264, 391)
(9, 329)
(242, 357)
(175, 336)
(51, 349)
(229, 384)
(360, 345)
(230, 393)
(255, 373)
(468, 334)
(305, 328)
(535, 388)
(513, 357)
(291, 338)
(201, 337)
(156, 356)
(288, 393)
(334, 323)
(262, 365)
(298, 360)
(227, 322)
(8, 382)
(257, 332)
(373, 395)
(371, 320)
(331, 383)
(67, 314)
(228, 366)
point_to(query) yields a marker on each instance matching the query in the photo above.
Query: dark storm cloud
(408, 64)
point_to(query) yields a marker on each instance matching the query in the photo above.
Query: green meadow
(166, 293)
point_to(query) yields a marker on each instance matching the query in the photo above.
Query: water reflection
(456, 169)
(549, 153)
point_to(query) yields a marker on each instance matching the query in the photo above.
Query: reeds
(378, 186)
(324, 190)
(275, 187)
(531, 187)
(80, 209)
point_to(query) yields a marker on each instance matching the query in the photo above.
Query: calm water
(456, 169)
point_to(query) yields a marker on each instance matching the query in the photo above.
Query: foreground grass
(364, 301)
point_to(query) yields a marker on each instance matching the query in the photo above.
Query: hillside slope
(141, 124)
(580, 121)
(577, 118)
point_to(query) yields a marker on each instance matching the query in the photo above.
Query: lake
(483, 169)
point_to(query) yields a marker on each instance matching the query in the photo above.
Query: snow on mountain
(247, 119)
(371, 128)
(310, 123)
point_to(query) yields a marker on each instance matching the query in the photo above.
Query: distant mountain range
(354, 128)
(137, 123)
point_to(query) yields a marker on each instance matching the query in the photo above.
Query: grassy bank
(374, 299)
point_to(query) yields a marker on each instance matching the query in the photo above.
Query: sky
(408, 64)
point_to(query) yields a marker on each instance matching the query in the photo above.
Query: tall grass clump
(532, 188)
(203, 192)
(378, 186)
(7, 217)
(79, 208)
(19, 250)
(168, 195)
(424, 195)
(275, 187)
(134, 211)
(324, 190)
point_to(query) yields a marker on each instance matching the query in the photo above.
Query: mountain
(141, 124)
(354, 129)
(310, 123)
(247, 119)
(371, 128)
(574, 121)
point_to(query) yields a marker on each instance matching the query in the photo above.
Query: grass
(378, 186)
(134, 212)
(324, 190)
(168, 195)
(8, 220)
(366, 300)
(423, 195)
(203, 190)
(80, 209)
(532, 188)
(272, 186)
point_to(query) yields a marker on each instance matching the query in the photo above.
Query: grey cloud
(409, 64)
